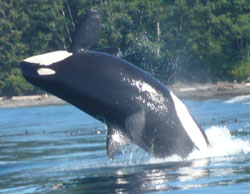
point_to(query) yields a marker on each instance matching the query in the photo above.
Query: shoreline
(220, 90)
(26, 101)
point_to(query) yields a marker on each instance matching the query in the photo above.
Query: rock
(28, 98)
(187, 89)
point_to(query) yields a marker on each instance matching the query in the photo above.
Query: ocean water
(59, 149)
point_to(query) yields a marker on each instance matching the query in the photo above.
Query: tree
(181, 40)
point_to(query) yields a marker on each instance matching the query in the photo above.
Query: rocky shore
(36, 100)
(220, 90)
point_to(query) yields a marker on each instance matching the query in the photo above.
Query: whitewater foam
(239, 99)
(222, 143)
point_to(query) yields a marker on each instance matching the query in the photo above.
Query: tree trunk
(158, 38)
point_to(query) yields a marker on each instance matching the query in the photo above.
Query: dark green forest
(174, 40)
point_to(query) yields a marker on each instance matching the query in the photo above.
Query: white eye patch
(45, 71)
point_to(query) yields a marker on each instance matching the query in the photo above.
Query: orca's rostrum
(136, 107)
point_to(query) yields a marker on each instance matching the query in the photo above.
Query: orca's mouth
(29, 69)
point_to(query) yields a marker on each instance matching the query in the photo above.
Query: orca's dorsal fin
(88, 33)
(111, 50)
(115, 139)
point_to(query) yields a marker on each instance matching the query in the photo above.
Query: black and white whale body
(133, 105)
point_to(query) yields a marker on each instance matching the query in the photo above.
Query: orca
(136, 107)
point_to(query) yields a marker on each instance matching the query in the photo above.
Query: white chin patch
(45, 71)
(188, 123)
(48, 58)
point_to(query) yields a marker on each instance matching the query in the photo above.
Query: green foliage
(15, 84)
(241, 71)
(181, 40)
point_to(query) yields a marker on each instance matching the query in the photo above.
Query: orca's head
(67, 75)
(42, 65)
(45, 69)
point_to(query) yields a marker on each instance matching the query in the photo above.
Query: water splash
(222, 143)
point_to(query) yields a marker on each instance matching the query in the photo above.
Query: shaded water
(59, 149)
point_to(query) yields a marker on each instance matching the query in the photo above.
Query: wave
(239, 99)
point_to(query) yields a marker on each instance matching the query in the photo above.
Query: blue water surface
(60, 149)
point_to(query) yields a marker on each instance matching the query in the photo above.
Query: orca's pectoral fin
(111, 50)
(115, 139)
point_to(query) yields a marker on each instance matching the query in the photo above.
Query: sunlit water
(59, 149)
